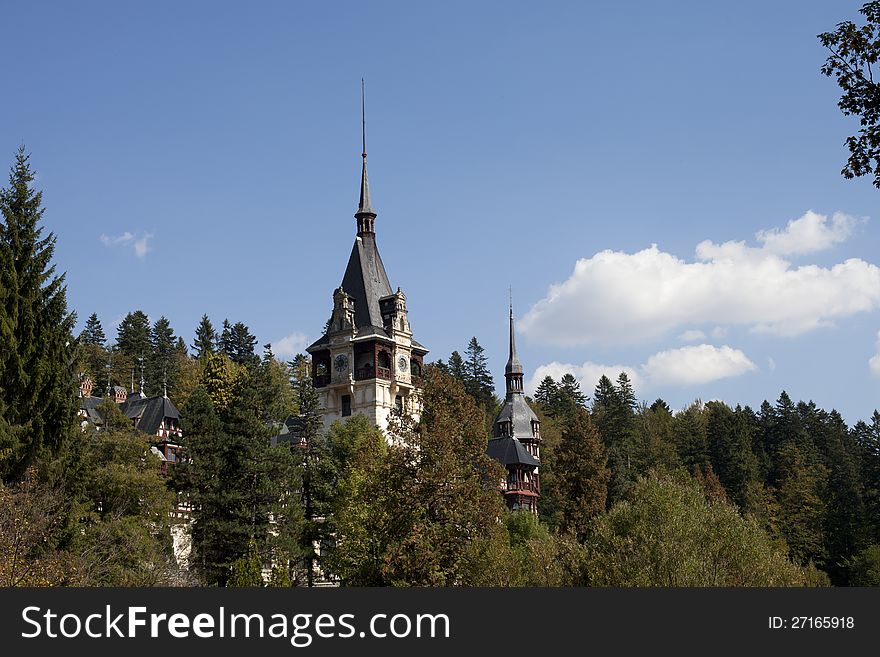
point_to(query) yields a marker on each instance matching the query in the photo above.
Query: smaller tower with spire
(516, 437)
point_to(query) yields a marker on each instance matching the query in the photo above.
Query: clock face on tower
(341, 363)
(401, 364)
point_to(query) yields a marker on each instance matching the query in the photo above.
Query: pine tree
(206, 338)
(161, 361)
(133, 336)
(730, 449)
(547, 395)
(477, 378)
(570, 391)
(238, 344)
(36, 360)
(93, 333)
(579, 463)
(225, 343)
(456, 366)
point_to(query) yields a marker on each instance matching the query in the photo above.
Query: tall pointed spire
(364, 215)
(513, 372)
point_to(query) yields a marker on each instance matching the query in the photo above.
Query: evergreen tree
(238, 343)
(409, 513)
(730, 448)
(93, 333)
(581, 475)
(456, 366)
(161, 363)
(133, 336)
(547, 395)
(36, 361)
(570, 392)
(478, 379)
(206, 338)
(226, 343)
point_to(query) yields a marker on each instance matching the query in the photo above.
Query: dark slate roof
(365, 280)
(517, 411)
(509, 451)
(149, 412)
(290, 431)
(89, 402)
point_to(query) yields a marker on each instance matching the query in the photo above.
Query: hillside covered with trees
(632, 494)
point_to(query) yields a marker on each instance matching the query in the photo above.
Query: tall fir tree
(37, 358)
(581, 475)
(456, 366)
(93, 333)
(478, 379)
(161, 363)
(206, 338)
(225, 342)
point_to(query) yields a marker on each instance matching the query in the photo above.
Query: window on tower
(346, 405)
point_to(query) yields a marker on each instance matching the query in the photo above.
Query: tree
(161, 361)
(31, 513)
(801, 495)
(238, 343)
(241, 488)
(410, 513)
(581, 475)
(546, 394)
(247, 570)
(124, 537)
(478, 379)
(206, 338)
(456, 366)
(93, 333)
(854, 53)
(133, 336)
(730, 447)
(36, 361)
(668, 534)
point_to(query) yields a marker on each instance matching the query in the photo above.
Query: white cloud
(289, 346)
(810, 233)
(695, 365)
(692, 335)
(719, 332)
(140, 245)
(587, 374)
(618, 297)
(771, 364)
(874, 362)
(686, 366)
(125, 238)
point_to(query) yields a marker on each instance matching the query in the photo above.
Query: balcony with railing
(363, 373)
(321, 380)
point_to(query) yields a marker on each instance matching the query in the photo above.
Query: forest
(632, 494)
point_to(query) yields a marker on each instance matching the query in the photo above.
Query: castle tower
(516, 438)
(367, 361)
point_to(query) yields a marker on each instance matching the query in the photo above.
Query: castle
(367, 362)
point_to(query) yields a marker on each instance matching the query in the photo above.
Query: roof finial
(143, 382)
(164, 384)
(513, 364)
(364, 215)
(363, 122)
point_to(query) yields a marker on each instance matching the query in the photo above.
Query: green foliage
(161, 359)
(865, 567)
(854, 53)
(581, 476)
(240, 487)
(247, 570)
(37, 378)
(237, 343)
(668, 534)
(124, 537)
(408, 513)
(206, 338)
(93, 333)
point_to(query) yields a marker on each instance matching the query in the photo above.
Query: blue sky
(204, 158)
